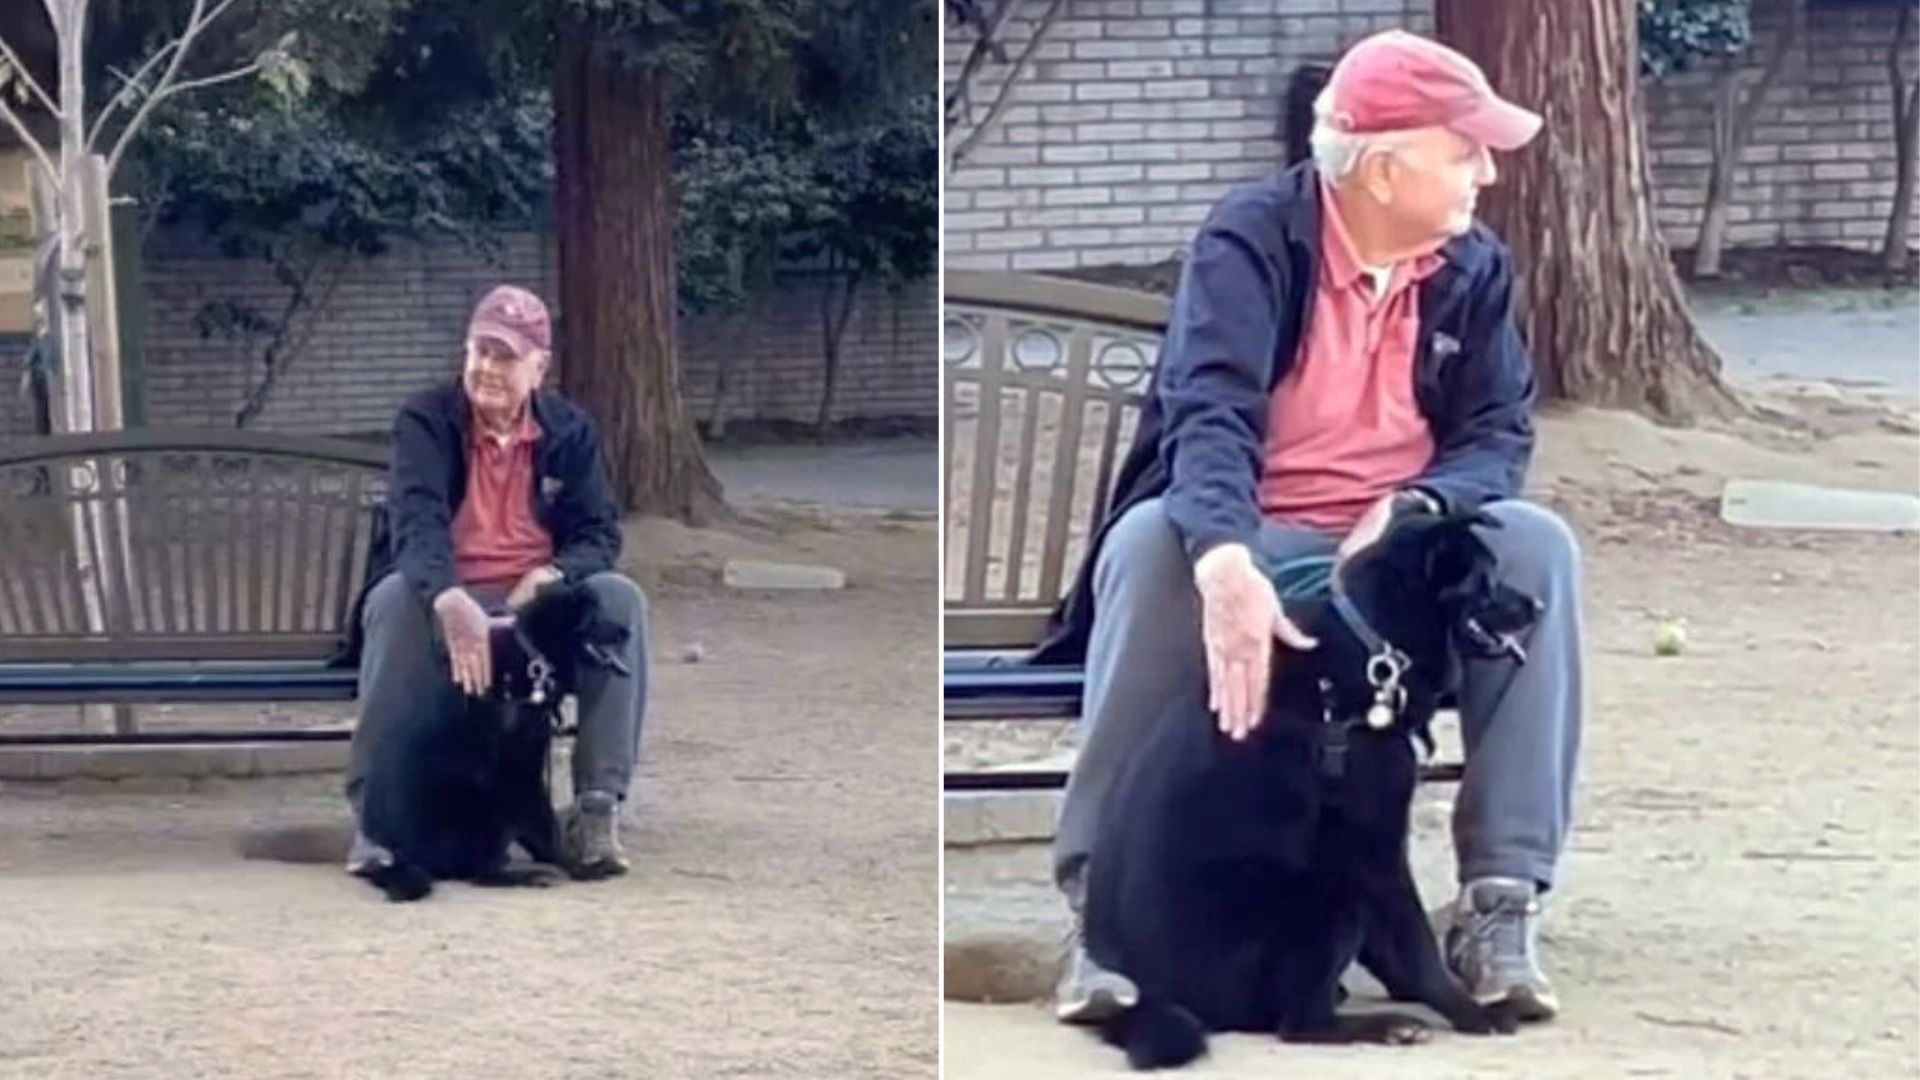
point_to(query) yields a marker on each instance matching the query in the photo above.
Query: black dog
(455, 789)
(1235, 882)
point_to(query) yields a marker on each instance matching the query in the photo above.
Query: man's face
(497, 381)
(1430, 181)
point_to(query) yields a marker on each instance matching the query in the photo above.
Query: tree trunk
(70, 276)
(1726, 153)
(1732, 125)
(1906, 133)
(1599, 302)
(833, 331)
(618, 343)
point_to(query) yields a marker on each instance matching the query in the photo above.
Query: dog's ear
(1457, 561)
(1490, 626)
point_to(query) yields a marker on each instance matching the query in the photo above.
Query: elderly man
(496, 488)
(1341, 347)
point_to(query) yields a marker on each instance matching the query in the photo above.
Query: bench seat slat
(133, 683)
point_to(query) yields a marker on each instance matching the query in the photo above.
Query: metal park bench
(155, 565)
(1042, 385)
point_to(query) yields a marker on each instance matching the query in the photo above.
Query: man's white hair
(1337, 153)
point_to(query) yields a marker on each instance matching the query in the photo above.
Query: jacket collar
(540, 408)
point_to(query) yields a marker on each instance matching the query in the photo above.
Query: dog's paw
(402, 884)
(532, 877)
(1486, 1020)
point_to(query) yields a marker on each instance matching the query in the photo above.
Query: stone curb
(1000, 817)
(234, 760)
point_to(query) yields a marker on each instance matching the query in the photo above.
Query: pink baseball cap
(515, 318)
(1396, 81)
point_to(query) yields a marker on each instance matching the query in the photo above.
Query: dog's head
(564, 624)
(1431, 583)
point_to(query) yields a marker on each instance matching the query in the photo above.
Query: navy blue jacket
(427, 479)
(1233, 331)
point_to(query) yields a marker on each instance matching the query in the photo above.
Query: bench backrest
(1042, 384)
(182, 545)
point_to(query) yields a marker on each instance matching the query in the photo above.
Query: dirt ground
(781, 919)
(1739, 897)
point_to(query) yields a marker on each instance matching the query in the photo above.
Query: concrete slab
(1000, 817)
(1777, 504)
(755, 574)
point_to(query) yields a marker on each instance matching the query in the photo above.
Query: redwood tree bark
(1600, 305)
(617, 350)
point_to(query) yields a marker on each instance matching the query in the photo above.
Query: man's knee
(392, 602)
(1533, 542)
(1142, 547)
(620, 598)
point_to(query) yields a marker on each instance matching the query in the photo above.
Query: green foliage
(882, 214)
(259, 177)
(437, 122)
(741, 191)
(863, 198)
(1676, 34)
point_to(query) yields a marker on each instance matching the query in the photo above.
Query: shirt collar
(525, 432)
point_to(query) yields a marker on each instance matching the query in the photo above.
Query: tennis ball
(1669, 638)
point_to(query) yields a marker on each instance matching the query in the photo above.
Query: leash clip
(1384, 670)
(540, 674)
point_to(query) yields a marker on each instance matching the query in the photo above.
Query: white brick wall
(1137, 114)
(394, 325)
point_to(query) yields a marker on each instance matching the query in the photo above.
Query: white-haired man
(1340, 346)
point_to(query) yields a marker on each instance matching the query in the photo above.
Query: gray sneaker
(1088, 993)
(1491, 944)
(591, 837)
(365, 857)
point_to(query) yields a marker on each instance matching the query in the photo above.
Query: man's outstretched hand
(463, 626)
(1240, 615)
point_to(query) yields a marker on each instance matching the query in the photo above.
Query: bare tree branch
(129, 87)
(959, 103)
(126, 137)
(20, 71)
(1004, 96)
(197, 21)
(20, 128)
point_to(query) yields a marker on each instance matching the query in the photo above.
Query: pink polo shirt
(496, 539)
(1343, 428)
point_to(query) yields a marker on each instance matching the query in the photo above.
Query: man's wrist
(1219, 559)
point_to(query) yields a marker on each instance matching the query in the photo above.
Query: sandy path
(781, 920)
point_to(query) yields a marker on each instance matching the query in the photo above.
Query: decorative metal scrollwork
(1038, 348)
(1124, 363)
(960, 340)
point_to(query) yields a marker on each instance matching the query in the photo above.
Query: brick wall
(1819, 167)
(16, 415)
(393, 324)
(1137, 114)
